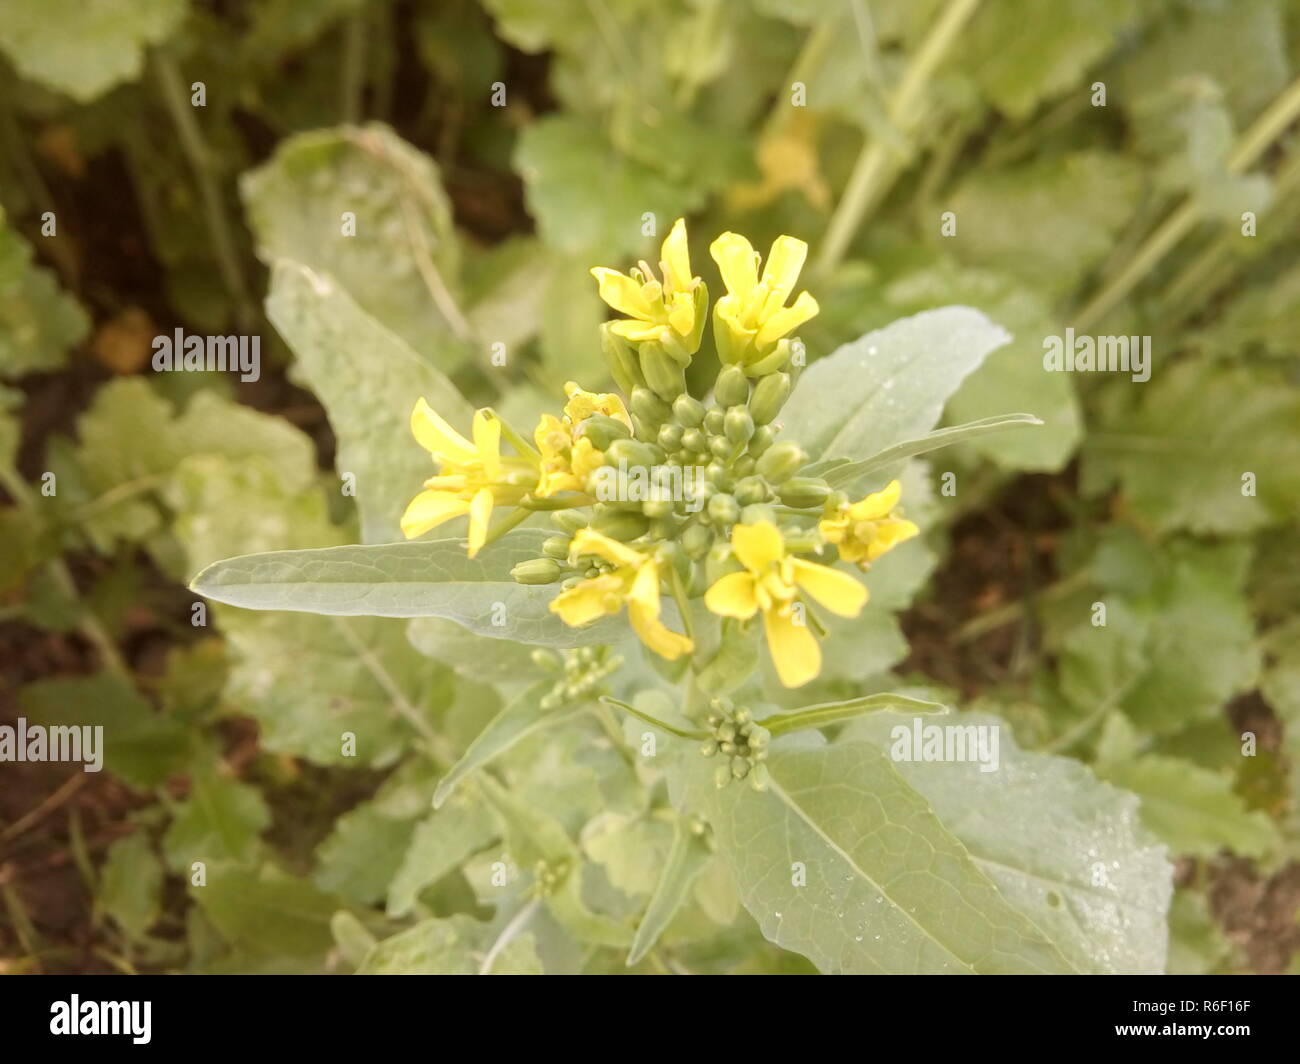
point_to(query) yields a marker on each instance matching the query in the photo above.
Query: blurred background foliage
(476, 226)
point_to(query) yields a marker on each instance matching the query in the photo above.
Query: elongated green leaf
(829, 713)
(441, 843)
(1067, 850)
(840, 860)
(368, 379)
(848, 473)
(685, 861)
(523, 717)
(422, 578)
(680, 731)
(888, 386)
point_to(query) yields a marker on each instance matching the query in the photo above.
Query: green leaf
(221, 820)
(888, 888)
(130, 884)
(402, 265)
(441, 843)
(107, 47)
(369, 381)
(685, 862)
(559, 156)
(847, 473)
(522, 717)
(476, 657)
(423, 578)
(888, 386)
(39, 322)
(1064, 849)
(1182, 444)
(1192, 809)
(1196, 945)
(139, 745)
(431, 947)
(267, 914)
(823, 716)
(363, 853)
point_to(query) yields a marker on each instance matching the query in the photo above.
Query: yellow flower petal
(622, 293)
(737, 263)
(793, 647)
(480, 513)
(590, 599)
(655, 634)
(787, 319)
(878, 504)
(835, 590)
(889, 534)
(430, 509)
(757, 546)
(588, 541)
(784, 261)
(676, 261)
(437, 437)
(733, 596)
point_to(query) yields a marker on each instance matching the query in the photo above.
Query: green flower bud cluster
(741, 742)
(581, 674)
(549, 877)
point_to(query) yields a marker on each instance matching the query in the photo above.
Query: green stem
(655, 722)
(870, 177)
(1266, 128)
(201, 162)
(512, 520)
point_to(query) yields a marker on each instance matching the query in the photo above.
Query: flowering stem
(525, 449)
(871, 173)
(683, 603)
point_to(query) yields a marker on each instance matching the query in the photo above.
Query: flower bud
(721, 447)
(539, 570)
(696, 541)
(602, 430)
(556, 547)
(633, 452)
(743, 466)
(782, 461)
(662, 373)
(621, 359)
(720, 561)
(757, 513)
(713, 420)
(724, 509)
(732, 387)
(688, 411)
(770, 395)
(568, 520)
(760, 777)
(622, 525)
(738, 425)
(804, 492)
(544, 659)
(762, 439)
(649, 407)
(695, 441)
(670, 436)
(750, 490)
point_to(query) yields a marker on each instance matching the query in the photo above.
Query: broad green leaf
(521, 718)
(630, 848)
(139, 745)
(1192, 809)
(402, 265)
(476, 657)
(1064, 849)
(848, 473)
(267, 914)
(889, 385)
(888, 888)
(85, 49)
(441, 843)
(1048, 222)
(363, 853)
(1205, 447)
(130, 884)
(685, 862)
(221, 820)
(423, 578)
(368, 380)
(558, 156)
(823, 716)
(39, 322)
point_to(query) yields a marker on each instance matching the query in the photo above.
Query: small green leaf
(130, 884)
(441, 843)
(686, 860)
(826, 714)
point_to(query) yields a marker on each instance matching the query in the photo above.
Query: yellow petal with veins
(757, 546)
(793, 647)
(622, 292)
(835, 590)
(587, 541)
(877, 504)
(737, 264)
(784, 261)
(480, 513)
(437, 437)
(590, 599)
(676, 261)
(733, 596)
(430, 509)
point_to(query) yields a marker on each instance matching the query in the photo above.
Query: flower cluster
(740, 740)
(722, 509)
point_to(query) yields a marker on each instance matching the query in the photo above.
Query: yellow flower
(671, 312)
(567, 458)
(866, 529)
(752, 318)
(770, 583)
(634, 580)
(472, 477)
